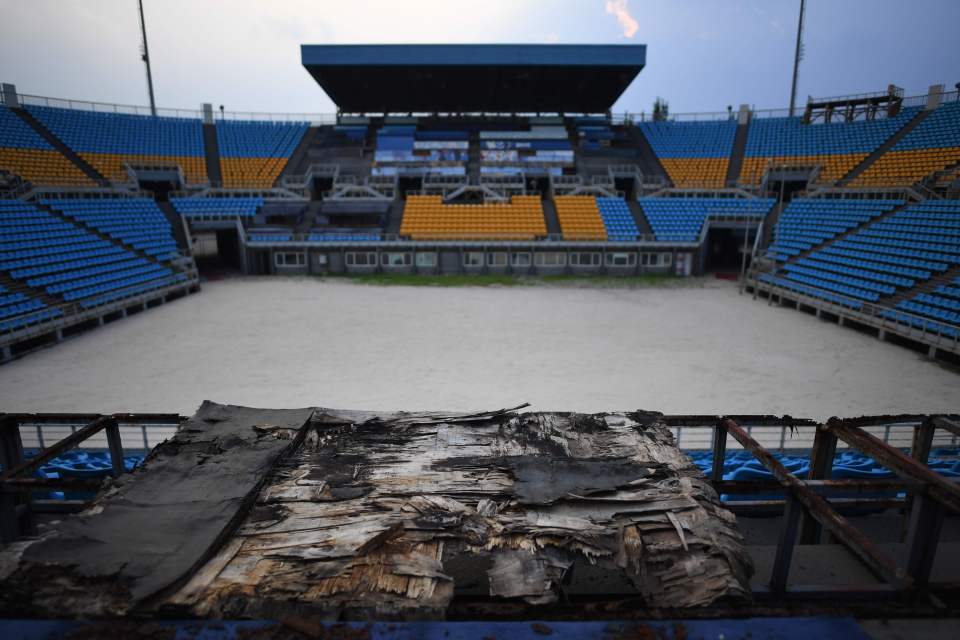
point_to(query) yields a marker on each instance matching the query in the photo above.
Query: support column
(785, 544)
(719, 452)
(821, 468)
(116, 448)
(926, 521)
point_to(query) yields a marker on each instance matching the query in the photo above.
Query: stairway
(309, 216)
(16, 286)
(883, 148)
(176, 224)
(736, 155)
(395, 216)
(96, 232)
(211, 150)
(550, 216)
(927, 286)
(649, 163)
(848, 232)
(57, 144)
(473, 157)
(640, 218)
(770, 222)
(299, 160)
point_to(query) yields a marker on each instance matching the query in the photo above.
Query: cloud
(627, 22)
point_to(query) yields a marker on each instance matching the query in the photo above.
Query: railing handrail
(870, 309)
(330, 118)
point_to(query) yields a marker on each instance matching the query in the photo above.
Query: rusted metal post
(938, 487)
(116, 447)
(946, 424)
(11, 447)
(919, 451)
(719, 451)
(57, 448)
(821, 467)
(785, 545)
(9, 523)
(848, 535)
(926, 521)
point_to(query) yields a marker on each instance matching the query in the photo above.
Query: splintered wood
(395, 515)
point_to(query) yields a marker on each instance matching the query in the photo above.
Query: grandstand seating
(217, 208)
(681, 219)
(617, 219)
(891, 254)
(109, 140)
(253, 154)
(18, 310)
(136, 222)
(837, 147)
(70, 263)
(580, 218)
(428, 218)
(807, 222)
(694, 154)
(25, 153)
(931, 146)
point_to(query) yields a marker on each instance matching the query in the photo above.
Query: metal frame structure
(810, 507)
(17, 506)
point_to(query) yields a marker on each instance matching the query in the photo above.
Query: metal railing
(904, 323)
(329, 118)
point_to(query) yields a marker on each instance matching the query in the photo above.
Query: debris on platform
(359, 515)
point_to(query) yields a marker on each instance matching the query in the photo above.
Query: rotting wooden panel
(393, 515)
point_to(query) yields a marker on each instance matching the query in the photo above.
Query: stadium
(480, 352)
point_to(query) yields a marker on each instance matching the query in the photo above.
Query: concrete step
(648, 161)
(883, 148)
(639, 217)
(96, 232)
(736, 155)
(211, 149)
(58, 144)
(550, 217)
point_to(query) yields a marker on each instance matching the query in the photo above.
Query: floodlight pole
(798, 53)
(146, 58)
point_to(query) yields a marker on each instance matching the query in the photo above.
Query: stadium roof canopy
(499, 78)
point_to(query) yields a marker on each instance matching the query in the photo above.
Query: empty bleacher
(931, 146)
(892, 255)
(253, 154)
(68, 263)
(23, 152)
(107, 140)
(428, 218)
(694, 154)
(617, 219)
(837, 147)
(941, 306)
(580, 218)
(682, 219)
(227, 208)
(808, 222)
(136, 222)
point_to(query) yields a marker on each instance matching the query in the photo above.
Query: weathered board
(395, 515)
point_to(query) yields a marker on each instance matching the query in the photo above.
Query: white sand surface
(288, 342)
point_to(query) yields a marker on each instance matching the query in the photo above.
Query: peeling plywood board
(396, 514)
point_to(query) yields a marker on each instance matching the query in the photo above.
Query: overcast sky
(702, 55)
